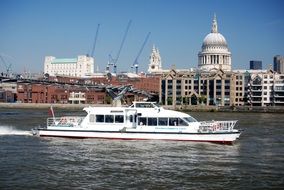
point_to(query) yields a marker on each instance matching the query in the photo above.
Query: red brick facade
(53, 93)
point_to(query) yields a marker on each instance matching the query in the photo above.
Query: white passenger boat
(140, 121)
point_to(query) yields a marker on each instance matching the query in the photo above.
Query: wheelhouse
(139, 114)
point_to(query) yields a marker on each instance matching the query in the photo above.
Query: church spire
(214, 25)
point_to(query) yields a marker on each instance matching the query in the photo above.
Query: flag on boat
(50, 111)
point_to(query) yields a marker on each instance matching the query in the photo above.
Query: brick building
(77, 90)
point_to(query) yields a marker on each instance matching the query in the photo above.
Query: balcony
(279, 89)
(256, 89)
(255, 101)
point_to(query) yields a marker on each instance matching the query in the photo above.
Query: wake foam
(9, 130)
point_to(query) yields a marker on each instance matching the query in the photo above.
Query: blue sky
(33, 29)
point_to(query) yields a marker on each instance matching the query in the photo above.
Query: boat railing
(217, 126)
(67, 121)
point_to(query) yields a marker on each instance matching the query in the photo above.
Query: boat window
(157, 105)
(100, 118)
(177, 122)
(181, 122)
(109, 118)
(173, 121)
(144, 105)
(152, 121)
(119, 119)
(142, 120)
(190, 119)
(92, 118)
(163, 121)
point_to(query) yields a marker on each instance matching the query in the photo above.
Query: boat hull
(221, 137)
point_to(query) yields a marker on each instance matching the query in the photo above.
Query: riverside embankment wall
(196, 108)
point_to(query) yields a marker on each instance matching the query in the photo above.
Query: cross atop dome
(214, 25)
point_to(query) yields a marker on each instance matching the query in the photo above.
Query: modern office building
(255, 65)
(278, 64)
(76, 67)
(266, 88)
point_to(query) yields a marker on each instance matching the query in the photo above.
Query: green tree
(170, 100)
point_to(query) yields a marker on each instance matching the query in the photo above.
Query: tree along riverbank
(192, 108)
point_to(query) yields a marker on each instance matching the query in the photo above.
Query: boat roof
(146, 109)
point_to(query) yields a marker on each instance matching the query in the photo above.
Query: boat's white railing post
(64, 121)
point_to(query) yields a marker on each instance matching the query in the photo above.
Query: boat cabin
(137, 115)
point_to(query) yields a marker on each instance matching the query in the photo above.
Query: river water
(255, 161)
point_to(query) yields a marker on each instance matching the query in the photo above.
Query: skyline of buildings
(255, 65)
(214, 82)
(28, 35)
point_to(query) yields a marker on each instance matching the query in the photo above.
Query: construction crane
(135, 63)
(7, 66)
(112, 61)
(95, 41)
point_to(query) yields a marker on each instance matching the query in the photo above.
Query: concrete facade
(192, 88)
(76, 67)
(278, 64)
